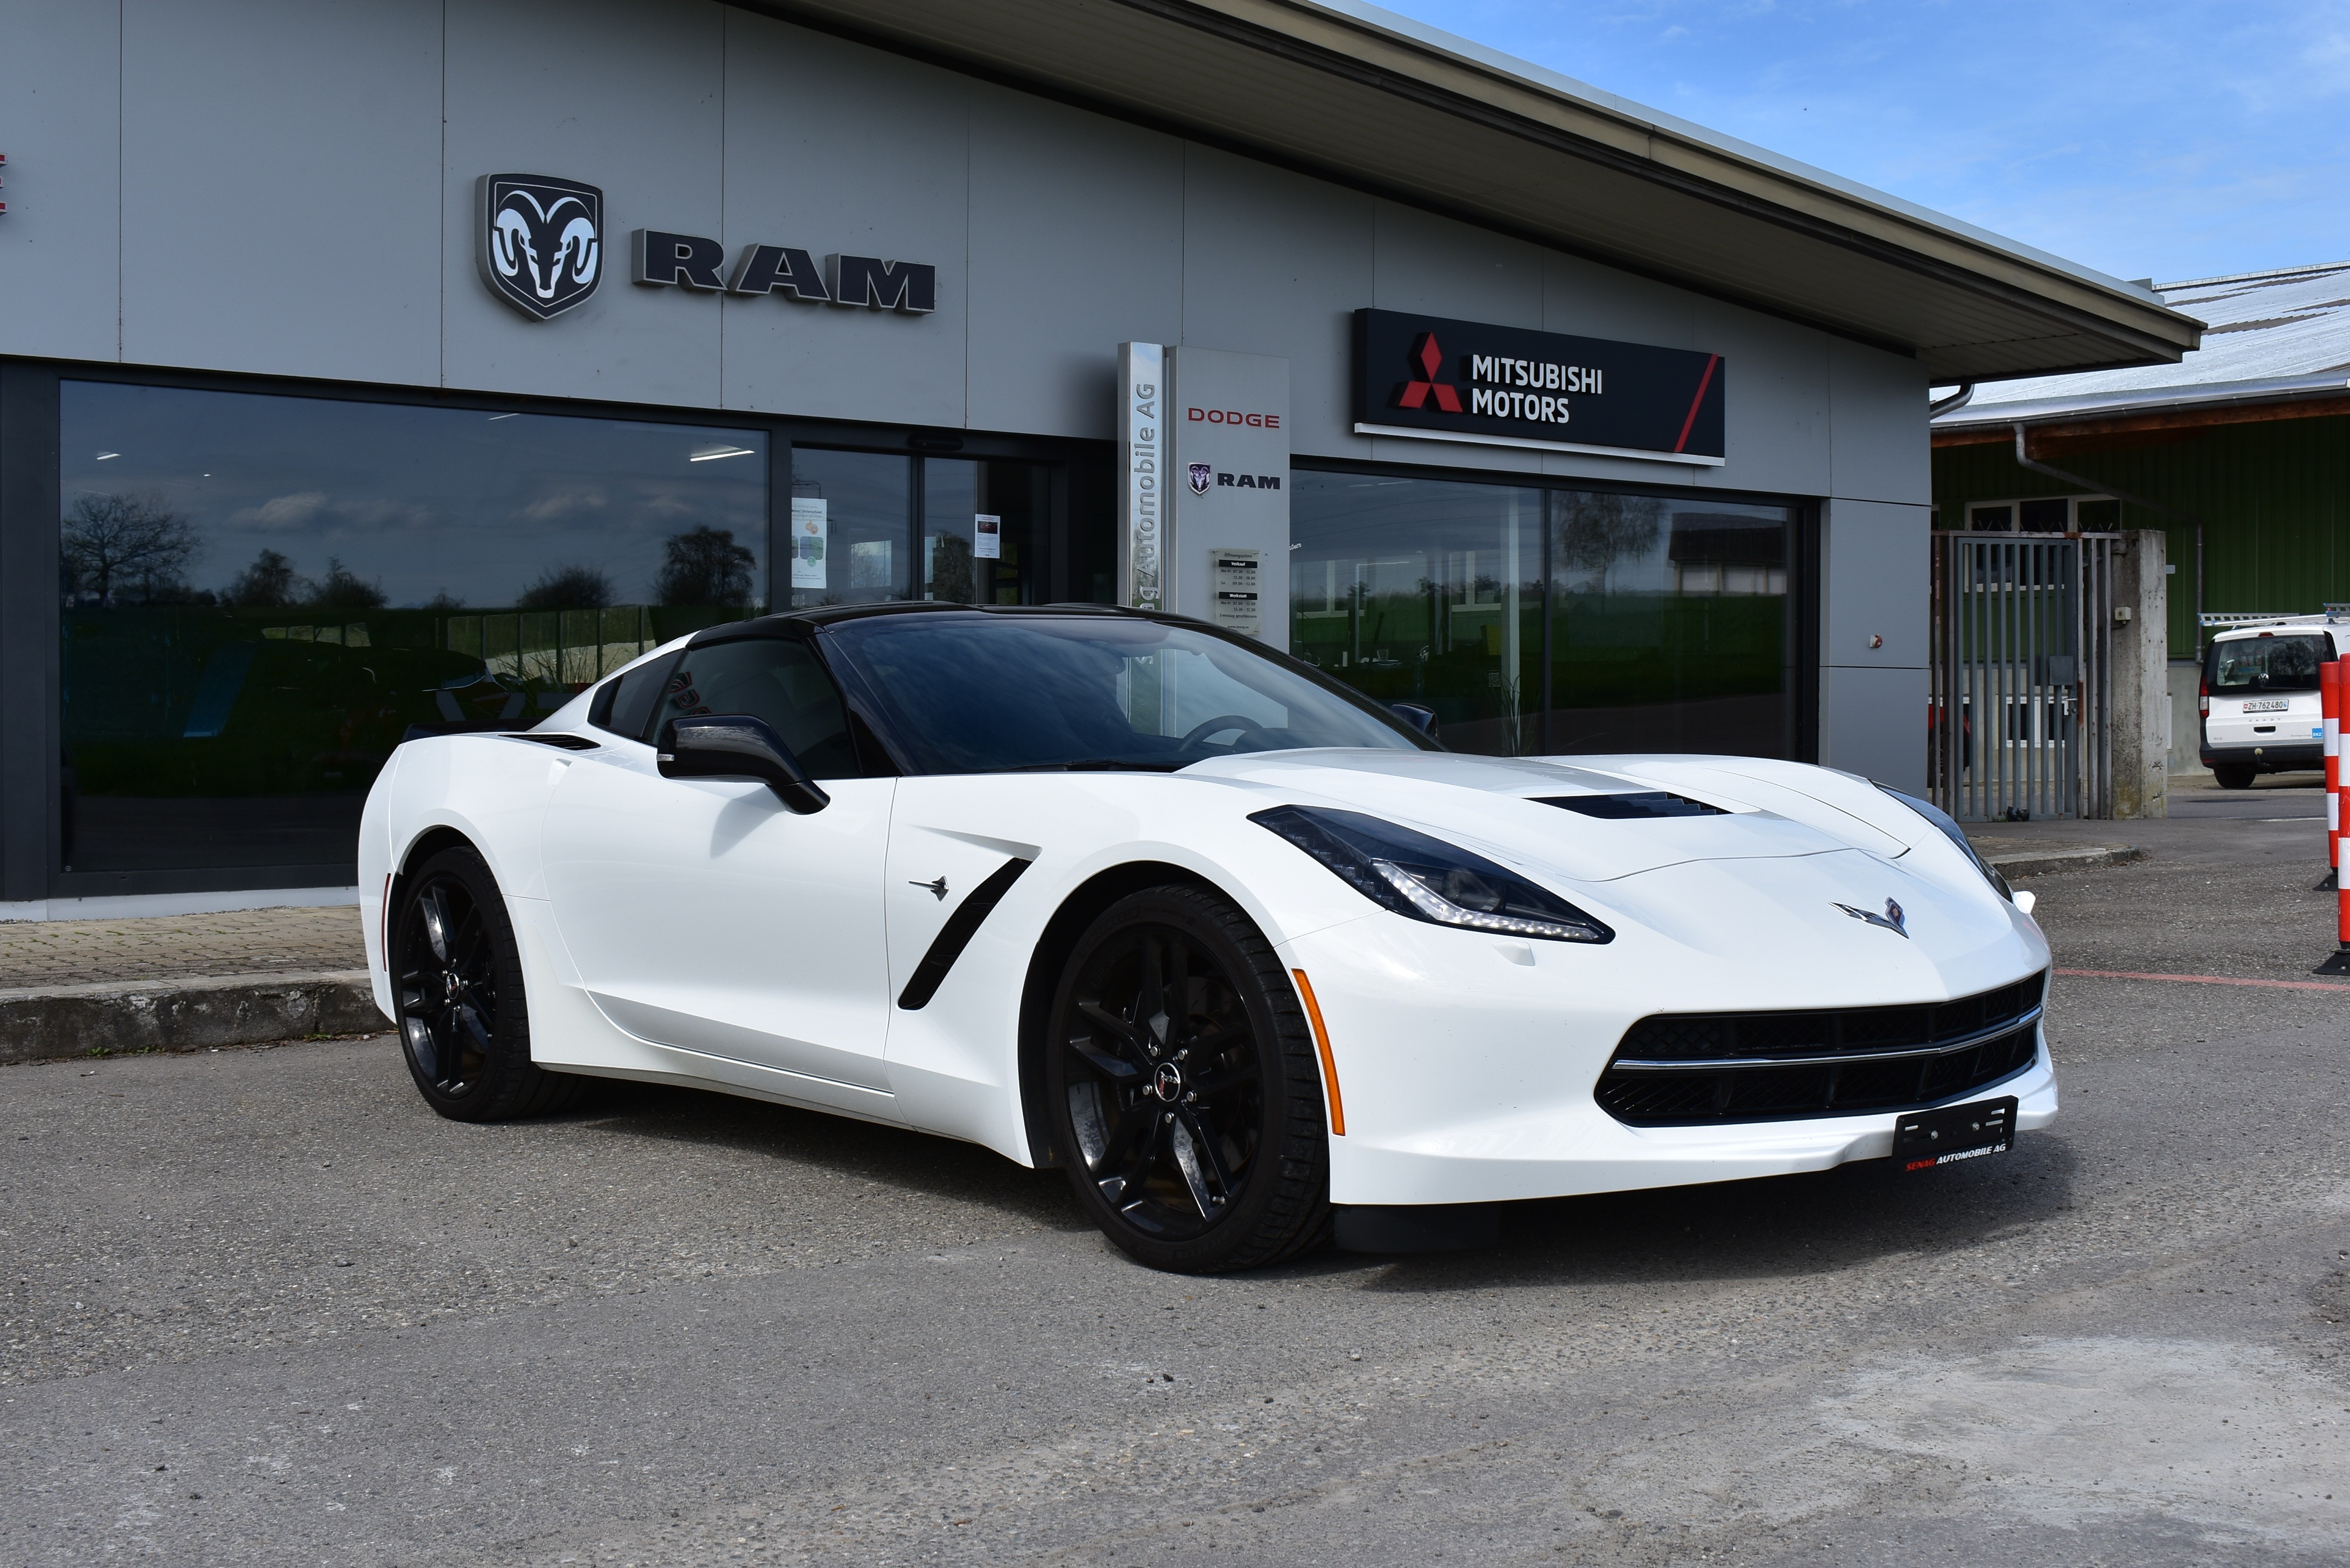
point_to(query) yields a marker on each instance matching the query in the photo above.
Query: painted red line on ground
(2207, 980)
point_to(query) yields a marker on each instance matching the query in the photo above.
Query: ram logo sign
(542, 241)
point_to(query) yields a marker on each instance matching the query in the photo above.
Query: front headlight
(1428, 879)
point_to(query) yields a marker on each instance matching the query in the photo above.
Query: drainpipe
(1957, 399)
(2024, 459)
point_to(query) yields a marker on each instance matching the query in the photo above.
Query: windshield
(2246, 664)
(989, 694)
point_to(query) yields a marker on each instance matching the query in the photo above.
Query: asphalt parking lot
(263, 1307)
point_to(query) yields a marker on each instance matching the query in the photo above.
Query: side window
(774, 680)
(625, 706)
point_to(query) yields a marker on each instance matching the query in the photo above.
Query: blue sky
(2162, 138)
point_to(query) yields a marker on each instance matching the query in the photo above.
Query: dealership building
(416, 362)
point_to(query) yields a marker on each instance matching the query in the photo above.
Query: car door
(703, 915)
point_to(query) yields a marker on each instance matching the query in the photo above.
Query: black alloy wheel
(1184, 1087)
(457, 980)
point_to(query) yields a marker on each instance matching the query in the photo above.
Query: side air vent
(1623, 807)
(555, 738)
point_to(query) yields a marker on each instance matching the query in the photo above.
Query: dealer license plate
(2265, 705)
(1927, 1140)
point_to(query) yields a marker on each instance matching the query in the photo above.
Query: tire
(464, 1021)
(2233, 775)
(1233, 1074)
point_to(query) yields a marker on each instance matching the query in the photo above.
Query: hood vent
(1623, 807)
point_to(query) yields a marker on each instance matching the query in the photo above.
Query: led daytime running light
(1445, 912)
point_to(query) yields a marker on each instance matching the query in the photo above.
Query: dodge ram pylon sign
(1435, 380)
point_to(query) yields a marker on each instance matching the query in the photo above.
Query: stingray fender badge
(1892, 919)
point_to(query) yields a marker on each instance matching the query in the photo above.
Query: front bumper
(1478, 1087)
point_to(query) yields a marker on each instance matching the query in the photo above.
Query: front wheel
(1184, 1086)
(465, 1023)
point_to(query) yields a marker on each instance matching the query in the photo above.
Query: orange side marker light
(1322, 1043)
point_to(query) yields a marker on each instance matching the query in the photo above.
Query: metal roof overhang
(1381, 108)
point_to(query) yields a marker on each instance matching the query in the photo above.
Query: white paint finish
(1876, 422)
(280, 203)
(1205, 383)
(1466, 1069)
(60, 250)
(1055, 281)
(1275, 263)
(767, 948)
(810, 163)
(1877, 562)
(531, 86)
(1873, 723)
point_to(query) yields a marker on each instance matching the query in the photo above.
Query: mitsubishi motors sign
(1432, 378)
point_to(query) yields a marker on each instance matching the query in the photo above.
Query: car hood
(1501, 805)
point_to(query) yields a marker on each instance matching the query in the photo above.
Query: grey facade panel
(623, 94)
(1877, 411)
(1877, 586)
(1873, 723)
(61, 241)
(279, 213)
(834, 148)
(1275, 263)
(1059, 280)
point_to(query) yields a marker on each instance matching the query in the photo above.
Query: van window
(2243, 665)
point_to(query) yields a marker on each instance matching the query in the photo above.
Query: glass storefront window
(261, 594)
(1428, 591)
(858, 529)
(1542, 620)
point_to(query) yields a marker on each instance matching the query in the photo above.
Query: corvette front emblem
(1892, 919)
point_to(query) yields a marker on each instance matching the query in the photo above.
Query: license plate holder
(1928, 1140)
(2266, 705)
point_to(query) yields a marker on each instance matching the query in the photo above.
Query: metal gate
(2022, 675)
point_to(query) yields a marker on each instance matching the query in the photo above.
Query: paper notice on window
(1235, 574)
(809, 523)
(986, 537)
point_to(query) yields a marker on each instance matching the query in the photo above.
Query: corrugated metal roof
(2268, 336)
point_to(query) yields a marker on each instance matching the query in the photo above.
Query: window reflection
(1423, 591)
(263, 594)
(979, 538)
(1665, 620)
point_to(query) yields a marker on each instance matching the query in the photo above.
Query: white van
(2258, 697)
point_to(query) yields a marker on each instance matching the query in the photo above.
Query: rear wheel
(1184, 1085)
(465, 1023)
(2233, 775)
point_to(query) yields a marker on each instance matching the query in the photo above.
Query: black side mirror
(737, 746)
(1418, 715)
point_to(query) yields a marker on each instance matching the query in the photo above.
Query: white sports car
(1247, 954)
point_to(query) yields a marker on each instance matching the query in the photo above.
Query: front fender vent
(1694, 1069)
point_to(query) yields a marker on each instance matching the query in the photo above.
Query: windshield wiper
(1096, 765)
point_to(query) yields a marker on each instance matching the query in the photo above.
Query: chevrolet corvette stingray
(1249, 955)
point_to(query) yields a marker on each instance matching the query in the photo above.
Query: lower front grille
(1693, 1069)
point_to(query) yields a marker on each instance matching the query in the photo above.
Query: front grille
(1695, 1068)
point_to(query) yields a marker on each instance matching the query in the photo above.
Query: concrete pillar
(2140, 714)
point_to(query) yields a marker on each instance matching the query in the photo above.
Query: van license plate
(2265, 705)
(1927, 1140)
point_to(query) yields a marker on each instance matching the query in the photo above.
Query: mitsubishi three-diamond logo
(1428, 360)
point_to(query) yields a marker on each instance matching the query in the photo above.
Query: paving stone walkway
(35, 954)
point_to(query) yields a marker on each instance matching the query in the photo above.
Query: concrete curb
(51, 1021)
(2039, 862)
